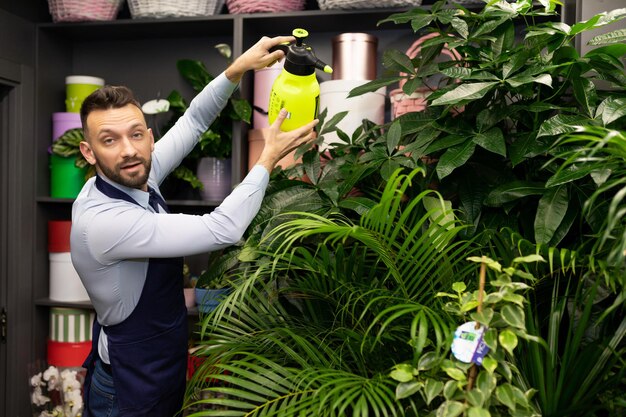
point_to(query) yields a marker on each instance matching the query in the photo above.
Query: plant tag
(468, 345)
(156, 106)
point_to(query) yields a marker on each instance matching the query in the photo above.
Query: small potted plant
(215, 283)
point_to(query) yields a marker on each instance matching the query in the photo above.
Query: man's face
(120, 144)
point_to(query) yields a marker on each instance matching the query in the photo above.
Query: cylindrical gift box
(65, 284)
(64, 121)
(67, 354)
(354, 56)
(263, 81)
(77, 88)
(59, 235)
(71, 325)
(334, 98)
(256, 143)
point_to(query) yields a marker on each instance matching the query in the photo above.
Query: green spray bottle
(296, 88)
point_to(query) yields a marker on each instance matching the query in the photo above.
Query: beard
(135, 180)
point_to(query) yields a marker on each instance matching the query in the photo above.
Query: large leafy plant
(491, 127)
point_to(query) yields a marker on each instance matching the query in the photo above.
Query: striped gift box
(70, 324)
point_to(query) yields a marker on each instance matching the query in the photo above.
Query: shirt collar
(141, 197)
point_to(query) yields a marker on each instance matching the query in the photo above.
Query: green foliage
(325, 304)
(68, 145)
(439, 381)
(493, 123)
(216, 141)
(594, 158)
(335, 309)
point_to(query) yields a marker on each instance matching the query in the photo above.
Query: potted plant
(207, 168)
(214, 283)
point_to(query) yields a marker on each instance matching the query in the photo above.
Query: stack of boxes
(69, 340)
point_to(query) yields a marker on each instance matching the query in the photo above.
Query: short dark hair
(107, 97)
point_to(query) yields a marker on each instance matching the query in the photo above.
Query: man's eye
(107, 141)
(138, 135)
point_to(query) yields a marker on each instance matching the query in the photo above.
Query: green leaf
(616, 36)
(373, 86)
(519, 80)
(394, 134)
(476, 398)
(455, 373)
(490, 364)
(505, 39)
(453, 158)
(478, 412)
(406, 389)
(331, 125)
(427, 361)
(550, 213)
(504, 394)
(492, 140)
(444, 143)
(311, 163)
(484, 317)
(486, 382)
(528, 259)
(440, 211)
(402, 372)
(570, 173)
(432, 389)
(512, 191)
(513, 316)
(459, 287)
(457, 73)
(195, 72)
(420, 22)
(461, 27)
(450, 409)
(585, 93)
(464, 92)
(612, 109)
(514, 63)
(491, 339)
(508, 340)
(559, 124)
(397, 61)
(242, 109)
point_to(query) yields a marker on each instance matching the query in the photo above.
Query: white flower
(69, 382)
(52, 376)
(73, 403)
(35, 380)
(38, 398)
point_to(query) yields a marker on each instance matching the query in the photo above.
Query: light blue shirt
(112, 240)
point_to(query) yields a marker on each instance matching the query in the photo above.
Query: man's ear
(87, 152)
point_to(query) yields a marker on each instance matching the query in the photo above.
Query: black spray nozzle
(299, 57)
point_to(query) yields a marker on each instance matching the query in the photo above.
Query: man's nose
(128, 148)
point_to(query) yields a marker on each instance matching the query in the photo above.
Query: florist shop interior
(453, 243)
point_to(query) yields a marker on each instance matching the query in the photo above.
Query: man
(128, 251)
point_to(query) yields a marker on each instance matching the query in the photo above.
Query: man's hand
(278, 143)
(257, 57)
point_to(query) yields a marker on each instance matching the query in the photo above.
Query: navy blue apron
(148, 350)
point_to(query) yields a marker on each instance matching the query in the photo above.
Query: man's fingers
(280, 118)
